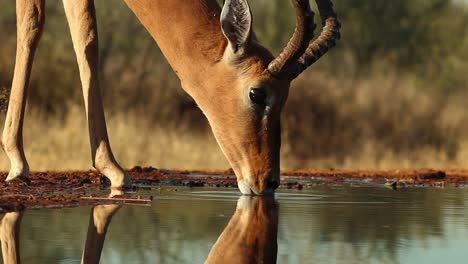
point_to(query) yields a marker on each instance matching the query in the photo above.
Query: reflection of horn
(250, 236)
(99, 220)
(9, 235)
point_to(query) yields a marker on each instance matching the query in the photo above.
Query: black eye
(258, 95)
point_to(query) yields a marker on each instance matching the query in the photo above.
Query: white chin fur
(244, 188)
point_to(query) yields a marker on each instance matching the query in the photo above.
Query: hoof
(18, 179)
(122, 191)
(118, 177)
(18, 175)
(121, 183)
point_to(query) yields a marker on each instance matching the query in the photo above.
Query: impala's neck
(218, 60)
(187, 32)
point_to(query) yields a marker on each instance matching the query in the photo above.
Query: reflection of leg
(82, 21)
(9, 235)
(99, 220)
(30, 22)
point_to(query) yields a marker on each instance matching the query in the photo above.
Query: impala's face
(244, 106)
(243, 100)
(255, 155)
(243, 103)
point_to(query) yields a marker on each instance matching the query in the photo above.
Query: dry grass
(381, 122)
(53, 144)
(353, 109)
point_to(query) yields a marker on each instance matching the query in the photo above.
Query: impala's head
(251, 88)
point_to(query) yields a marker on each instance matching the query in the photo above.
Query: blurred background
(392, 94)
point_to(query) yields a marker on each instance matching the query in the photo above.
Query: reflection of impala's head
(250, 87)
(251, 234)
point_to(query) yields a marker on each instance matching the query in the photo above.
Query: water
(318, 225)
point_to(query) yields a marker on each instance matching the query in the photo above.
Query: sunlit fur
(30, 17)
(248, 134)
(218, 77)
(219, 81)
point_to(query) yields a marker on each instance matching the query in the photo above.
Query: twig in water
(125, 200)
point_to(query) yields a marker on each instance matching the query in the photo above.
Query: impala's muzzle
(267, 187)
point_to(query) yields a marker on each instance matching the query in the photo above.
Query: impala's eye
(258, 96)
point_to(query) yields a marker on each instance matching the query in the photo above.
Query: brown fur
(218, 78)
(219, 81)
(251, 234)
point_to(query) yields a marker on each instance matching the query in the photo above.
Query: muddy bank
(75, 188)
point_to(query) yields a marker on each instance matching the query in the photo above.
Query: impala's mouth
(247, 189)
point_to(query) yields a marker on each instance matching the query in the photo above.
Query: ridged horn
(299, 42)
(325, 41)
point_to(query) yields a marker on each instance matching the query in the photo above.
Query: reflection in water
(324, 224)
(9, 235)
(251, 234)
(99, 221)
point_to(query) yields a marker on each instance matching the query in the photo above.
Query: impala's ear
(236, 23)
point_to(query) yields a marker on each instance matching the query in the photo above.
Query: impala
(238, 84)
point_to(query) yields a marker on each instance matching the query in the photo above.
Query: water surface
(319, 225)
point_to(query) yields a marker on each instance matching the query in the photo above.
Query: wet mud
(77, 188)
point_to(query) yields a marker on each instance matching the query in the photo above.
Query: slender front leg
(9, 236)
(30, 23)
(82, 21)
(99, 221)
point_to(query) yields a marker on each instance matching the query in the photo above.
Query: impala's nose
(272, 185)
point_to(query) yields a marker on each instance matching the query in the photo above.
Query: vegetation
(391, 94)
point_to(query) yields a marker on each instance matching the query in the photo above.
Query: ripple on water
(209, 195)
(283, 197)
(289, 198)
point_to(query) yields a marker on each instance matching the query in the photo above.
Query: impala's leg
(30, 22)
(82, 21)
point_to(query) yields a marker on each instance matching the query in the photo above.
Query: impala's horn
(298, 54)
